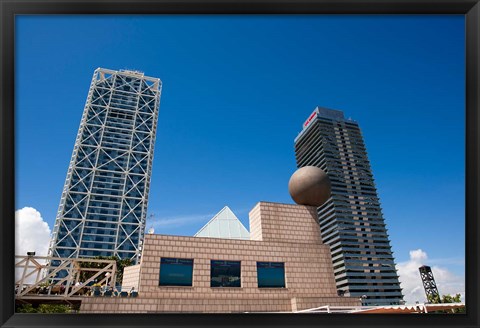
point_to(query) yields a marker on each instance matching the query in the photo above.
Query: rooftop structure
(224, 225)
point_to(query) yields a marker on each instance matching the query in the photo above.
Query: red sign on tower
(310, 119)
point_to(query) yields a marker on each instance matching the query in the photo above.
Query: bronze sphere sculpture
(309, 185)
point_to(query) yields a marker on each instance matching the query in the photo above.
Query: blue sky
(236, 91)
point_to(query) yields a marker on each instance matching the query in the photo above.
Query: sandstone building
(283, 267)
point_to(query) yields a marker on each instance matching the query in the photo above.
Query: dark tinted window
(176, 272)
(271, 274)
(225, 274)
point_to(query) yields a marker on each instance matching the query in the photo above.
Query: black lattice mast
(429, 283)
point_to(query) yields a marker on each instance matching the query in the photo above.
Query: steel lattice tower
(103, 206)
(351, 221)
(429, 283)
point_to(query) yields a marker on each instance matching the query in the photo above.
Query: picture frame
(9, 9)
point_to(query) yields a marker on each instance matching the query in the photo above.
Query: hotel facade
(351, 221)
(104, 202)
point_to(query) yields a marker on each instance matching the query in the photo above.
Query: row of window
(179, 272)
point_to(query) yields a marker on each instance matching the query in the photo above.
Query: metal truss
(103, 207)
(392, 309)
(429, 283)
(31, 266)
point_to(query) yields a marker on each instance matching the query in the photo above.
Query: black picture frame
(10, 8)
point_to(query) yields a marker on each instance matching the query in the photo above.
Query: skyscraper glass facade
(104, 202)
(351, 221)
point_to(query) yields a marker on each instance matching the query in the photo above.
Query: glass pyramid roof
(224, 225)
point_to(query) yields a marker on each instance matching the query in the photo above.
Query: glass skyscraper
(351, 221)
(103, 206)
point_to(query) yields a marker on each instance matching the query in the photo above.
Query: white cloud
(178, 221)
(447, 282)
(165, 222)
(32, 233)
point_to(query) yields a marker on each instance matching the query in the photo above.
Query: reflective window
(271, 274)
(225, 273)
(176, 272)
